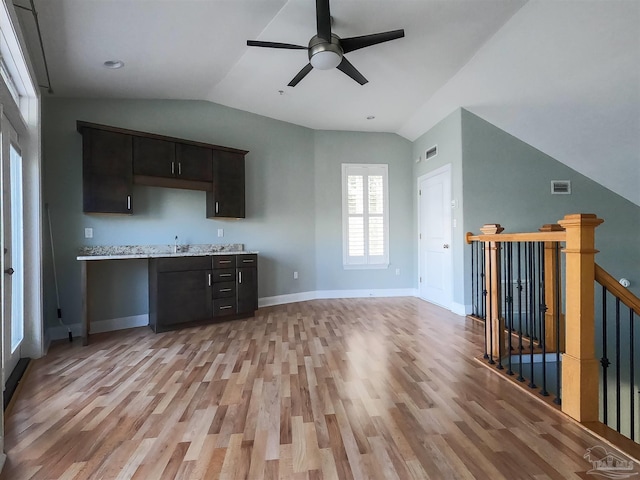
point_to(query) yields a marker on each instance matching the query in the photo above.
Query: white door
(434, 218)
(12, 239)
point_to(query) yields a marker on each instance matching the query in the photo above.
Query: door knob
(446, 245)
(9, 271)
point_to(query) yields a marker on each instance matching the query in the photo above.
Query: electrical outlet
(88, 233)
(221, 232)
(397, 271)
(295, 275)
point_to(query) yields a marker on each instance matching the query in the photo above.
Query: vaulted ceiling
(563, 76)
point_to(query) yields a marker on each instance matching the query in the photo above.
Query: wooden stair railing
(580, 382)
(605, 279)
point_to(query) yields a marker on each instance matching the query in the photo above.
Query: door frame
(449, 265)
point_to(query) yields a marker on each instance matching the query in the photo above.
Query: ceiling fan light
(326, 60)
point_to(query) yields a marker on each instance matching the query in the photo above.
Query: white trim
(329, 294)
(461, 309)
(109, 325)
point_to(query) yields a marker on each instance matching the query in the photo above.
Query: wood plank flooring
(333, 389)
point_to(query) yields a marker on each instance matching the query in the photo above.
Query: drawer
(183, 264)
(224, 275)
(224, 306)
(224, 261)
(224, 289)
(250, 260)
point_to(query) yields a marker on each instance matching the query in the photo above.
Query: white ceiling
(563, 76)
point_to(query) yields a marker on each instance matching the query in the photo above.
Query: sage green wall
(285, 167)
(279, 186)
(447, 136)
(332, 149)
(507, 181)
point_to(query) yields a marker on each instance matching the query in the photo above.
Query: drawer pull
(224, 261)
(226, 307)
(247, 261)
(225, 274)
(222, 290)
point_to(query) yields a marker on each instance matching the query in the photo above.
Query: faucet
(175, 245)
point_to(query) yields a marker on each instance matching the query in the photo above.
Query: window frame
(366, 261)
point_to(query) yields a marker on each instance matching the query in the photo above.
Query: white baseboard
(461, 309)
(60, 332)
(327, 294)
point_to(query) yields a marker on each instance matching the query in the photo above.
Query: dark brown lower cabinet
(190, 290)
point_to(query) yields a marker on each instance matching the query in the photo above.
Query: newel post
(553, 316)
(580, 377)
(495, 333)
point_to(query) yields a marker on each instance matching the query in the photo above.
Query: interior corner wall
(331, 150)
(446, 135)
(507, 181)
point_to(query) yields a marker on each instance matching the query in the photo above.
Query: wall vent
(561, 187)
(431, 152)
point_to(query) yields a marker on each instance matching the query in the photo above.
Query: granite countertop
(121, 252)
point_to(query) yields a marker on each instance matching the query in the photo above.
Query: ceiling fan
(326, 50)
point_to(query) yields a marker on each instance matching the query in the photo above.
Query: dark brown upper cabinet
(114, 159)
(154, 158)
(226, 198)
(107, 172)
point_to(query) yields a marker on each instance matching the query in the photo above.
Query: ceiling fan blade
(323, 19)
(301, 74)
(346, 67)
(288, 46)
(354, 43)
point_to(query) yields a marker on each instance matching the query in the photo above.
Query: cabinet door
(107, 177)
(194, 163)
(183, 297)
(226, 199)
(247, 288)
(154, 158)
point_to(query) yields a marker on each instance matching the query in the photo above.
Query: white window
(365, 215)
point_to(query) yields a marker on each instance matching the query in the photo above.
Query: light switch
(88, 233)
(221, 232)
(295, 275)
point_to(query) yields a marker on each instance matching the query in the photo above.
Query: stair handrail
(627, 297)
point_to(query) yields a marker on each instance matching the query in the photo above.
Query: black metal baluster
(632, 382)
(489, 318)
(500, 278)
(604, 361)
(509, 307)
(519, 254)
(483, 277)
(542, 314)
(474, 282)
(532, 383)
(556, 253)
(618, 364)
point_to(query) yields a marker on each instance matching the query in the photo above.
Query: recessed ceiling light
(114, 64)
(371, 117)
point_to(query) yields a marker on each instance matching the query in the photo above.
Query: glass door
(13, 242)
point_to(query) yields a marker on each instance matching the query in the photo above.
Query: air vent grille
(431, 152)
(561, 187)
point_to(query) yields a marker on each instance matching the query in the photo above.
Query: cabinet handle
(224, 261)
(239, 277)
(222, 290)
(128, 202)
(179, 168)
(209, 279)
(173, 168)
(216, 207)
(225, 275)
(247, 261)
(226, 307)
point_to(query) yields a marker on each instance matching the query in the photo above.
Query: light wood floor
(365, 389)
